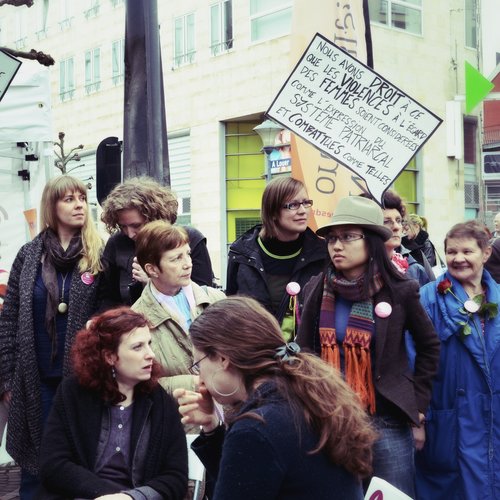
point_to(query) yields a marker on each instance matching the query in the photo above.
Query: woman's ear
(224, 362)
(151, 270)
(110, 358)
(487, 253)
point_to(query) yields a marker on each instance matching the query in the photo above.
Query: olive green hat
(358, 211)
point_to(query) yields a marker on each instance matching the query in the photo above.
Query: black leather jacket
(246, 274)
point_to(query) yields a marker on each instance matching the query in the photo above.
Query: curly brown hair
(102, 337)
(243, 331)
(392, 199)
(152, 200)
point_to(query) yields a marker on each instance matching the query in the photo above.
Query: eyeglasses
(294, 205)
(343, 238)
(393, 222)
(195, 367)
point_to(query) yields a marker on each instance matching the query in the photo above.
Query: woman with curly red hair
(113, 432)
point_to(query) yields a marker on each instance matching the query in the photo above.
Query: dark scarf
(54, 259)
(359, 331)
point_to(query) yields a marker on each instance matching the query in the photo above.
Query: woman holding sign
(355, 315)
(265, 259)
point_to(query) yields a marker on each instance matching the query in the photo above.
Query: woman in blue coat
(461, 457)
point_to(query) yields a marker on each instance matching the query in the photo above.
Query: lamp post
(267, 131)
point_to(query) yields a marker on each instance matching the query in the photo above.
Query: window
(221, 27)
(21, 35)
(118, 61)
(270, 19)
(184, 40)
(245, 178)
(41, 18)
(471, 23)
(65, 14)
(66, 79)
(470, 127)
(407, 183)
(91, 8)
(401, 14)
(179, 152)
(471, 184)
(92, 70)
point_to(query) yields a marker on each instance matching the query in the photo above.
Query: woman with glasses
(355, 315)
(113, 432)
(170, 300)
(293, 429)
(394, 219)
(282, 249)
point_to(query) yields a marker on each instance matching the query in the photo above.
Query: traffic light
(108, 166)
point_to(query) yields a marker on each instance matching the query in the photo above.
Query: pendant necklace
(63, 307)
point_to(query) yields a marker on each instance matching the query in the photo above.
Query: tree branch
(44, 59)
(17, 3)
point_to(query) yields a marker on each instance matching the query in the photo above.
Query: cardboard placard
(8, 69)
(352, 114)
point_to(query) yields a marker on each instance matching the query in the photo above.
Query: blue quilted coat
(461, 457)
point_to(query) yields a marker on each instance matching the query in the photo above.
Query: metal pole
(145, 147)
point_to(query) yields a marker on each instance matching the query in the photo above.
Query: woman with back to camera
(462, 451)
(113, 433)
(295, 431)
(283, 249)
(170, 301)
(417, 241)
(52, 292)
(355, 315)
(127, 208)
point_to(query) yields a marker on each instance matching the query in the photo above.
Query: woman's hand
(197, 408)
(419, 437)
(6, 397)
(419, 432)
(138, 273)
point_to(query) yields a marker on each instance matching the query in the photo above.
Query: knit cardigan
(71, 439)
(18, 361)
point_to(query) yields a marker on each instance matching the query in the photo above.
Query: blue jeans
(393, 454)
(29, 483)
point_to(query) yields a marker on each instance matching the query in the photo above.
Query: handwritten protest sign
(8, 69)
(352, 114)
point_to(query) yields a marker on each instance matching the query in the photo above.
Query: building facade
(223, 63)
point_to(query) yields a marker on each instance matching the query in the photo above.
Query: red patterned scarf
(359, 332)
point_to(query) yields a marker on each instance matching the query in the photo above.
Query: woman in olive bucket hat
(355, 315)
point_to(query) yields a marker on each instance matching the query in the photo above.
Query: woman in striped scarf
(355, 315)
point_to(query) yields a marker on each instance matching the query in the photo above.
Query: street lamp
(267, 131)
